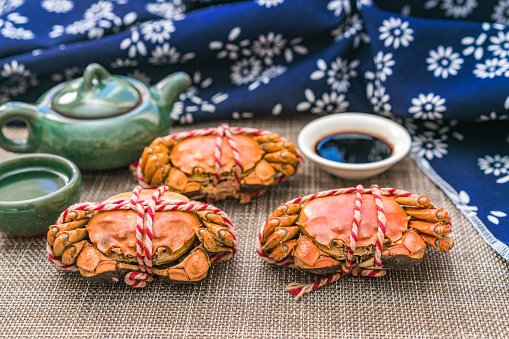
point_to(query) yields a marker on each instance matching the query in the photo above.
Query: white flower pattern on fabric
(191, 101)
(454, 8)
(494, 215)
(166, 55)
(337, 6)
(173, 9)
(134, 45)
(328, 104)
(500, 45)
(230, 49)
(351, 26)
(475, 45)
(269, 3)
(15, 79)
(491, 68)
(268, 74)
(395, 33)
(57, 6)
(7, 6)
(462, 201)
(121, 63)
(339, 73)
(379, 99)
(428, 146)
(268, 46)
(96, 19)
(9, 29)
(245, 71)
(493, 116)
(429, 106)
(140, 76)
(501, 12)
(157, 31)
(495, 165)
(67, 74)
(444, 62)
(383, 63)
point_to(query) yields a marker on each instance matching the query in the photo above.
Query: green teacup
(34, 190)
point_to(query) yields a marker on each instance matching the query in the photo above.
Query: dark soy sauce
(353, 147)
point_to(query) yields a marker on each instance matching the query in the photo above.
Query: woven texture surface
(461, 294)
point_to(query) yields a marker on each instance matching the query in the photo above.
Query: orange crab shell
(195, 152)
(315, 219)
(109, 229)
(186, 162)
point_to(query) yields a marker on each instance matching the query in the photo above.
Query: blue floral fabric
(438, 67)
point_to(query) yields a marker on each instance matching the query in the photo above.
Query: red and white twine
(349, 266)
(145, 210)
(224, 130)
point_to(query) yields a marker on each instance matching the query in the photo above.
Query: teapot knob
(93, 76)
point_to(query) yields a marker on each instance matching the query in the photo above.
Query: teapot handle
(93, 72)
(18, 111)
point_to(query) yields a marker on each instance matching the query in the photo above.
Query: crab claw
(310, 258)
(177, 179)
(193, 268)
(95, 265)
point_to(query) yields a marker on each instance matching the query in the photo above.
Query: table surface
(461, 294)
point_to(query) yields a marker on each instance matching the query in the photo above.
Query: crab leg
(284, 215)
(435, 214)
(431, 228)
(283, 250)
(442, 245)
(274, 222)
(281, 234)
(279, 146)
(281, 156)
(193, 268)
(71, 253)
(66, 238)
(414, 201)
(286, 169)
(55, 230)
(75, 215)
(263, 139)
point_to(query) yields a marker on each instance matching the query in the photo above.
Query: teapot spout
(171, 86)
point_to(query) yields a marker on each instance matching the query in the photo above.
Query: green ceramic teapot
(100, 121)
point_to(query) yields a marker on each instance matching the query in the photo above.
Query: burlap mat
(462, 294)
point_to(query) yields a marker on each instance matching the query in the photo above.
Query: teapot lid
(96, 95)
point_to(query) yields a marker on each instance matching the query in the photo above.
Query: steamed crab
(315, 234)
(103, 244)
(241, 164)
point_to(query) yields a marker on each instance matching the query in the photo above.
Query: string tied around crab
(221, 132)
(349, 266)
(145, 210)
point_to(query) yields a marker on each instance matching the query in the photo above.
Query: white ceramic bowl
(386, 129)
